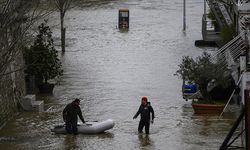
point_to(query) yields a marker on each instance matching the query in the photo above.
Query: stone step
(38, 106)
(29, 103)
(26, 101)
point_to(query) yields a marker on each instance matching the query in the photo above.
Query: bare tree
(62, 6)
(16, 18)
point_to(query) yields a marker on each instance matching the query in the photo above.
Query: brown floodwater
(111, 70)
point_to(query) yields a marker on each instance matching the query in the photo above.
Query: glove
(134, 117)
(152, 121)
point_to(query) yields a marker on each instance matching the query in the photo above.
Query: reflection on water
(70, 142)
(144, 140)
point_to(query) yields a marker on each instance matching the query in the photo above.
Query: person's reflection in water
(70, 142)
(144, 140)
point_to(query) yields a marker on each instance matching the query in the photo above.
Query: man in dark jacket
(70, 113)
(144, 110)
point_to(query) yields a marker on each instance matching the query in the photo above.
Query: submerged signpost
(123, 19)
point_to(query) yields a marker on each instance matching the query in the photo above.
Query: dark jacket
(144, 111)
(70, 113)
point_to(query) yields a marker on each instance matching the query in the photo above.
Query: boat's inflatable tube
(88, 127)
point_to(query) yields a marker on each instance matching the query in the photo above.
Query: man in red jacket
(144, 110)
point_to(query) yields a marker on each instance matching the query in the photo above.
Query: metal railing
(234, 46)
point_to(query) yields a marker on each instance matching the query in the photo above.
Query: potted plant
(213, 81)
(42, 60)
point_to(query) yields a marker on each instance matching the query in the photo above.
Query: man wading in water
(70, 113)
(145, 109)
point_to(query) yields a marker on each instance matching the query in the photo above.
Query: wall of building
(12, 88)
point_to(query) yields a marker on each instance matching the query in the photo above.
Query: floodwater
(111, 70)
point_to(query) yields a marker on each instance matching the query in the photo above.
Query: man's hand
(152, 121)
(134, 117)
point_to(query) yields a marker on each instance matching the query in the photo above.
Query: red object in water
(208, 108)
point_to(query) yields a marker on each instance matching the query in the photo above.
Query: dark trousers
(142, 124)
(71, 127)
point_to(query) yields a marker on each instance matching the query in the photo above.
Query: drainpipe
(247, 40)
(247, 118)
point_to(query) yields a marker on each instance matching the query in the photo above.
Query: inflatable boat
(88, 127)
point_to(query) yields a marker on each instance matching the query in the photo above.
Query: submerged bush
(42, 58)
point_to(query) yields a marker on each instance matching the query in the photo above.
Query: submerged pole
(184, 15)
(205, 10)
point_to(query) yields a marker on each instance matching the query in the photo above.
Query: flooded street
(111, 70)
